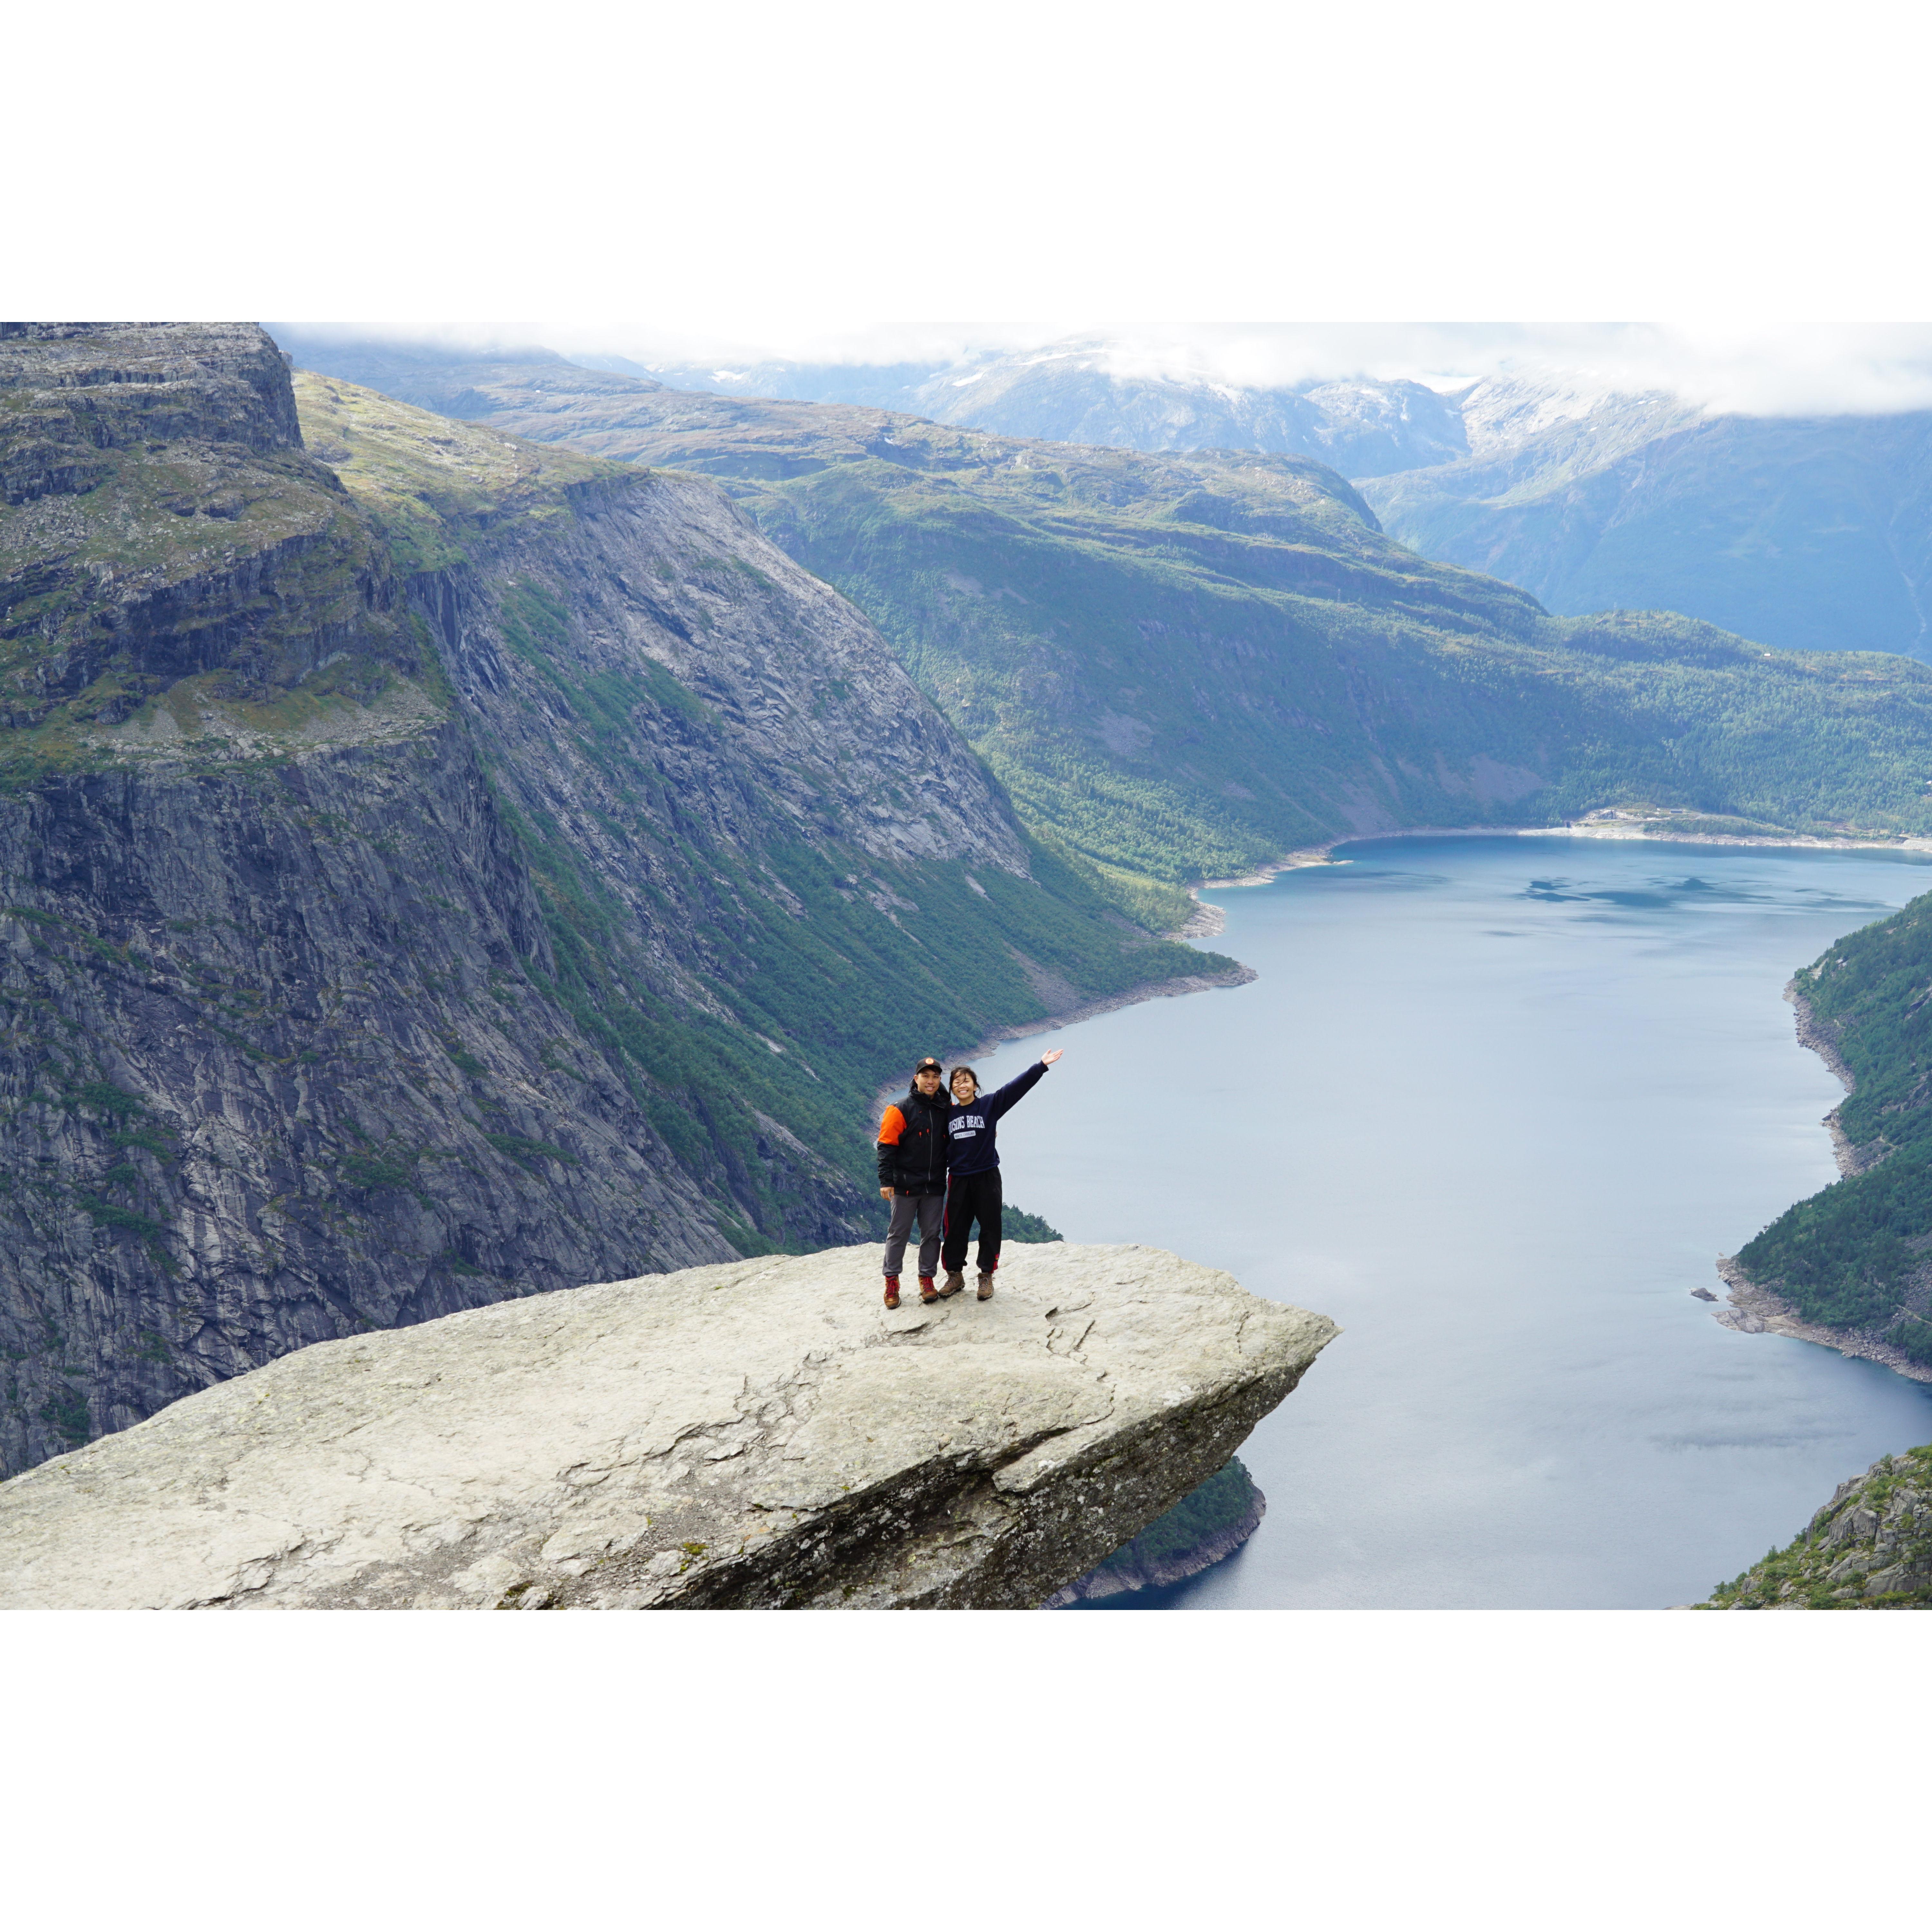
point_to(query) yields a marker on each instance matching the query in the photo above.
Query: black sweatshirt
(972, 1131)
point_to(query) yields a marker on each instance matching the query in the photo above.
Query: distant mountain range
(1080, 393)
(1805, 532)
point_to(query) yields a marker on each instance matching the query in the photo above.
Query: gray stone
(755, 1434)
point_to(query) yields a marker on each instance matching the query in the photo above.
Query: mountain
(1806, 533)
(1090, 392)
(1802, 532)
(439, 868)
(1184, 665)
(453, 382)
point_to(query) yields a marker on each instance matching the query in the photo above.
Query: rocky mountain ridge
(1089, 392)
(1806, 533)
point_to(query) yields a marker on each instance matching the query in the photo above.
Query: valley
(477, 824)
(1182, 666)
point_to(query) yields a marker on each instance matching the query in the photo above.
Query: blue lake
(1495, 1106)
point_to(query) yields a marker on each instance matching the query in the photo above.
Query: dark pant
(930, 1208)
(970, 1197)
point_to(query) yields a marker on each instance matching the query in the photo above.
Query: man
(912, 1176)
(973, 1188)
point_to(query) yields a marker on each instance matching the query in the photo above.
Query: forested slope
(1859, 1255)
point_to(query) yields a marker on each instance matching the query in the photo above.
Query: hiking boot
(892, 1290)
(927, 1292)
(954, 1281)
(986, 1288)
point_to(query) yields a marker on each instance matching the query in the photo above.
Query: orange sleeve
(891, 1127)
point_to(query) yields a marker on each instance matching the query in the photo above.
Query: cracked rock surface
(762, 1434)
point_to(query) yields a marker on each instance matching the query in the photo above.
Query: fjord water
(1495, 1106)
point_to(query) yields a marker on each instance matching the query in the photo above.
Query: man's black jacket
(912, 1144)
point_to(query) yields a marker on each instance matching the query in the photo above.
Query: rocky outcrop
(1869, 1548)
(161, 522)
(760, 1434)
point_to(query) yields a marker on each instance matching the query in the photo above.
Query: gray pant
(931, 1211)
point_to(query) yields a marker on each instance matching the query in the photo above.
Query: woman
(973, 1170)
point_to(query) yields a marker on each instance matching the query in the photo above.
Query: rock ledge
(761, 1434)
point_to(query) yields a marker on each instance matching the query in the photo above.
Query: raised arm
(997, 1102)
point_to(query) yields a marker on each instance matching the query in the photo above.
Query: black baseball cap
(929, 1065)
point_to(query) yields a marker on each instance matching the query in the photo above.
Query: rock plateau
(752, 1434)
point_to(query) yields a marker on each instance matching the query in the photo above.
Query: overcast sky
(862, 178)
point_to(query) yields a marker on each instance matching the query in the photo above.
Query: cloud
(1768, 369)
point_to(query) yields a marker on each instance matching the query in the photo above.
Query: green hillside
(1229, 663)
(576, 738)
(1855, 1255)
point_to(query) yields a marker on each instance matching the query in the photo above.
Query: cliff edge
(760, 1434)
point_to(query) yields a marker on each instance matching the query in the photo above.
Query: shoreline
(1647, 828)
(1815, 1036)
(1757, 1310)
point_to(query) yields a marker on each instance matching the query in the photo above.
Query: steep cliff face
(274, 1062)
(163, 523)
(765, 858)
(763, 1435)
(504, 872)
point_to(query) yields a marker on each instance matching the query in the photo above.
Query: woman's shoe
(927, 1292)
(892, 1290)
(986, 1288)
(954, 1281)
